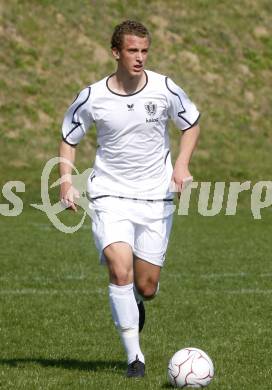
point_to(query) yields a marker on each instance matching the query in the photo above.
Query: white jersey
(132, 158)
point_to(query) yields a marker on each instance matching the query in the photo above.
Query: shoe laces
(135, 363)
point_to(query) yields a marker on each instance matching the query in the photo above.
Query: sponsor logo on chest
(151, 110)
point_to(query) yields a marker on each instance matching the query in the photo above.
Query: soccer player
(129, 189)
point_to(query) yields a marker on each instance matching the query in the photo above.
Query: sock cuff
(120, 290)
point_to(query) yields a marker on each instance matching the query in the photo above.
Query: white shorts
(144, 225)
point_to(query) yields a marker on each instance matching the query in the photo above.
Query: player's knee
(147, 291)
(120, 277)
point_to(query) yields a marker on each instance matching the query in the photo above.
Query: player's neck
(126, 84)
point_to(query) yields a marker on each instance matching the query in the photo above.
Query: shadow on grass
(69, 364)
(167, 386)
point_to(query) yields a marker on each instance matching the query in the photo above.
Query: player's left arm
(188, 142)
(185, 115)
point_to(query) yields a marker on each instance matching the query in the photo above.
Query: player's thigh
(119, 258)
(109, 226)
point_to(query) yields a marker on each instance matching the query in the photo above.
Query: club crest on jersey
(151, 108)
(130, 107)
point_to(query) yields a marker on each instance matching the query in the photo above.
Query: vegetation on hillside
(220, 52)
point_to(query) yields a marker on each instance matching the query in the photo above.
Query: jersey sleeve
(78, 118)
(181, 109)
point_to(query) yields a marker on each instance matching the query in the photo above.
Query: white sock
(125, 315)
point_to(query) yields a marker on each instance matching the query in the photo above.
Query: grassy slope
(220, 52)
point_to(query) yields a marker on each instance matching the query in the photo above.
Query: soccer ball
(190, 367)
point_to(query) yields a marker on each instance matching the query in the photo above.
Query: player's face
(133, 55)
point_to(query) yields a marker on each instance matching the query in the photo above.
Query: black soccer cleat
(141, 309)
(136, 369)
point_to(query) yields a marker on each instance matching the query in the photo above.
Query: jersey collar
(126, 95)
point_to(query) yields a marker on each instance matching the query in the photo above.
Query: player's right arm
(77, 121)
(67, 192)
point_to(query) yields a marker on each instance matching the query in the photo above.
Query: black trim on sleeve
(165, 158)
(65, 140)
(183, 109)
(75, 99)
(77, 124)
(194, 124)
(92, 177)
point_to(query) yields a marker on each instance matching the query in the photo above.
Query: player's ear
(115, 53)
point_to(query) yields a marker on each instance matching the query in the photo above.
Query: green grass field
(56, 330)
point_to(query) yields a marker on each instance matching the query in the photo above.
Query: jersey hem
(127, 197)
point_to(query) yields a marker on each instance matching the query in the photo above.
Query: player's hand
(68, 194)
(181, 177)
